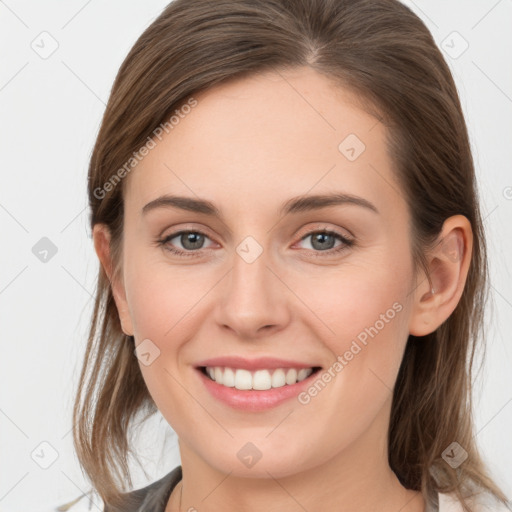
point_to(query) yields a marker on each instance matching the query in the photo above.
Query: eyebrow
(293, 205)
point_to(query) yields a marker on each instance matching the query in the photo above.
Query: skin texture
(248, 146)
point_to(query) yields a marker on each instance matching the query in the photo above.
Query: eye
(191, 241)
(322, 241)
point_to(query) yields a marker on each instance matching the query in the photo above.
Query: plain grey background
(59, 60)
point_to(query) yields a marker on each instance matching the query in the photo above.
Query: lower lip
(251, 399)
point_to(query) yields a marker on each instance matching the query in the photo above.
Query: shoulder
(481, 502)
(152, 498)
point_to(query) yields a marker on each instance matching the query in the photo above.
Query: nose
(254, 298)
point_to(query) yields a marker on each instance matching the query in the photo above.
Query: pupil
(321, 237)
(193, 240)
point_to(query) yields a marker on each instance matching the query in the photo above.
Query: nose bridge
(253, 297)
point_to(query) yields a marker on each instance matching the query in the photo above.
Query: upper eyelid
(320, 226)
(324, 226)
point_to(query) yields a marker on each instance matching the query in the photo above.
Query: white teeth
(228, 378)
(278, 378)
(302, 374)
(291, 376)
(243, 379)
(258, 380)
(261, 380)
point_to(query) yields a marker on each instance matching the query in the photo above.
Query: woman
(293, 265)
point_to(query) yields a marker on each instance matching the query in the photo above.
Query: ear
(101, 236)
(448, 268)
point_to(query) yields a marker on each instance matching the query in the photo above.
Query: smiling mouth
(258, 380)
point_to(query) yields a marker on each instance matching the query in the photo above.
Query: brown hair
(384, 53)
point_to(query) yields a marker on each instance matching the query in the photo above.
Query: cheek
(165, 304)
(359, 304)
(160, 298)
(363, 313)
(162, 311)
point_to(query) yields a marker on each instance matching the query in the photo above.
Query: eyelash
(347, 243)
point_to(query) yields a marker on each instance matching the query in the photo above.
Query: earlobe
(101, 237)
(449, 262)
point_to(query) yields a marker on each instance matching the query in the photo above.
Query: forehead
(265, 138)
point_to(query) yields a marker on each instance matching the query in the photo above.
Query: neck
(307, 491)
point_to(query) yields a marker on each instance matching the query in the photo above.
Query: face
(267, 284)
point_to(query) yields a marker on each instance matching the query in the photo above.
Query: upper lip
(260, 363)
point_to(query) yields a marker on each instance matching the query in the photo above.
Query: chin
(249, 461)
